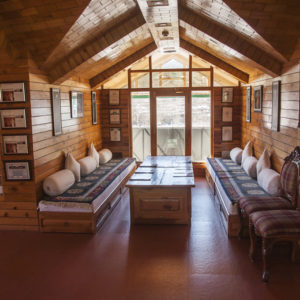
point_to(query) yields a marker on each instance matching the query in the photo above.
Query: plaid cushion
(289, 182)
(252, 204)
(272, 223)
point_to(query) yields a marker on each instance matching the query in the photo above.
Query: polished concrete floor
(142, 262)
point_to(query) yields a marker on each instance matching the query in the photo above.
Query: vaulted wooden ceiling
(96, 39)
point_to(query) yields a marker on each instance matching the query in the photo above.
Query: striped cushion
(252, 204)
(289, 182)
(273, 223)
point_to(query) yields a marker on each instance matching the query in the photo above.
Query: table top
(164, 171)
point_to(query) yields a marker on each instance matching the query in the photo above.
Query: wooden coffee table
(160, 190)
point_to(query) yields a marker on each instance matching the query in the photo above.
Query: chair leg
(266, 250)
(253, 239)
(241, 223)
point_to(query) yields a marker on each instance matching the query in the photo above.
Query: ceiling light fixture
(163, 25)
(152, 3)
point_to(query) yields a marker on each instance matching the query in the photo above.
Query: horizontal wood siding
(281, 143)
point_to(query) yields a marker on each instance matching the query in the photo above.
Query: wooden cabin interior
(190, 78)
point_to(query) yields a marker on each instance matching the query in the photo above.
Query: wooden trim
(212, 112)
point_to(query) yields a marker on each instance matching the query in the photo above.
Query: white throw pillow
(87, 165)
(73, 166)
(247, 151)
(105, 156)
(58, 182)
(93, 152)
(236, 155)
(249, 166)
(269, 180)
(263, 162)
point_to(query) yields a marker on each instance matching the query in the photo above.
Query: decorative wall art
(15, 144)
(94, 108)
(17, 170)
(276, 105)
(248, 104)
(115, 116)
(76, 104)
(227, 114)
(258, 95)
(56, 111)
(227, 94)
(13, 118)
(115, 134)
(114, 97)
(12, 92)
(226, 133)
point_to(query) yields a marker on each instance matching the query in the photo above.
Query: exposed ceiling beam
(214, 60)
(9, 49)
(234, 40)
(63, 69)
(96, 80)
(162, 19)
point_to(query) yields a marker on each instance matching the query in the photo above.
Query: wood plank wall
(122, 147)
(78, 133)
(281, 143)
(220, 146)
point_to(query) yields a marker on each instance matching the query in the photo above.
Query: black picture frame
(114, 97)
(56, 111)
(115, 134)
(258, 98)
(227, 94)
(115, 116)
(227, 134)
(227, 114)
(11, 166)
(276, 91)
(248, 103)
(15, 147)
(16, 119)
(94, 108)
(77, 105)
(12, 92)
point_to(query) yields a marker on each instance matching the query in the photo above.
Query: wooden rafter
(214, 60)
(64, 68)
(232, 39)
(96, 80)
(9, 49)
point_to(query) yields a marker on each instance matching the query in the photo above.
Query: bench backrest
(289, 177)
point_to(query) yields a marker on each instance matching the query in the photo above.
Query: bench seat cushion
(275, 223)
(250, 205)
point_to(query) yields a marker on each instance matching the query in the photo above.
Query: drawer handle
(168, 207)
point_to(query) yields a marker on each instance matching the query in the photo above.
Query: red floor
(142, 262)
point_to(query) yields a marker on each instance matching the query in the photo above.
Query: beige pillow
(247, 151)
(72, 165)
(58, 182)
(249, 166)
(93, 152)
(105, 156)
(269, 180)
(263, 162)
(87, 165)
(236, 155)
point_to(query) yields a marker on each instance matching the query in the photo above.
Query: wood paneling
(281, 143)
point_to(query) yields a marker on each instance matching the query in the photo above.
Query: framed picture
(248, 104)
(226, 133)
(94, 108)
(12, 92)
(13, 118)
(276, 105)
(15, 144)
(114, 97)
(115, 116)
(227, 94)
(56, 111)
(258, 94)
(115, 134)
(76, 104)
(17, 170)
(227, 114)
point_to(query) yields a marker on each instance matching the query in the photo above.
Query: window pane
(200, 125)
(170, 79)
(200, 79)
(140, 115)
(170, 125)
(140, 80)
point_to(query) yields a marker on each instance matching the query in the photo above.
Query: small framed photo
(77, 109)
(115, 116)
(114, 97)
(15, 144)
(115, 134)
(56, 111)
(227, 94)
(94, 108)
(13, 118)
(226, 133)
(258, 95)
(17, 170)
(12, 92)
(227, 113)
(248, 104)
(276, 105)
